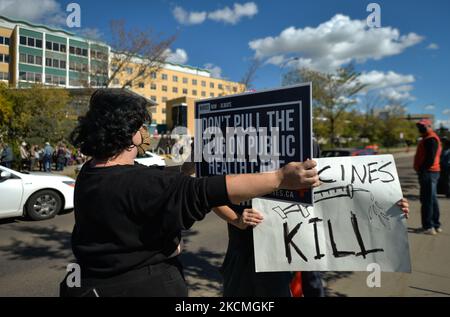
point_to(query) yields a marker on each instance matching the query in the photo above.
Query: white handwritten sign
(355, 221)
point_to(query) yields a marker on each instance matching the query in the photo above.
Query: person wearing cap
(129, 217)
(427, 166)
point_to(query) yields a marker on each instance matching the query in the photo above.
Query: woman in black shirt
(129, 218)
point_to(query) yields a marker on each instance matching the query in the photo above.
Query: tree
(250, 75)
(136, 45)
(332, 93)
(39, 114)
(6, 110)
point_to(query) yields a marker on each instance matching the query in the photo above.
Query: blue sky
(406, 59)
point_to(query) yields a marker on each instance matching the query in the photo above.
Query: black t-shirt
(127, 217)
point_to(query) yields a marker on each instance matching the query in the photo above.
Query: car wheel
(43, 205)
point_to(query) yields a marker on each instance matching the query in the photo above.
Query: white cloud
(225, 15)
(233, 16)
(429, 107)
(42, 11)
(433, 46)
(188, 18)
(178, 57)
(376, 79)
(215, 70)
(334, 43)
(398, 94)
(446, 111)
(444, 123)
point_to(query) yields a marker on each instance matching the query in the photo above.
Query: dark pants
(7, 164)
(47, 163)
(428, 198)
(160, 280)
(312, 284)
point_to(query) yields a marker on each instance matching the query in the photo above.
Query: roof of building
(48, 28)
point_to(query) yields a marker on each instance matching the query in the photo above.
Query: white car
(39, 196)
(150, 159)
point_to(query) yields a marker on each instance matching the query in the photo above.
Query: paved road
(33, 256)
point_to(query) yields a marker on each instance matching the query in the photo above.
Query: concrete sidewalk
(430, 255)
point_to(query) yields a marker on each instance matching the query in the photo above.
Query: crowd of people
(41, 158)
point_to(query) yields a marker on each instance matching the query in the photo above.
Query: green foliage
(336, 120)
(332, 95)
(35, 115)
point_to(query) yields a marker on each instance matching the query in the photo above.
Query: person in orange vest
(427, 166)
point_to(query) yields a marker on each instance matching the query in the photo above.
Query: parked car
(38, 196)
(149, 159)
(348, 152)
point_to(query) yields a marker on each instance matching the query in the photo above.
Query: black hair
(107, 129)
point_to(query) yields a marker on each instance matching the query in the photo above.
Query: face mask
(145, 145)
(422, 129)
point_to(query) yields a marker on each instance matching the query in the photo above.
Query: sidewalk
(430, 257)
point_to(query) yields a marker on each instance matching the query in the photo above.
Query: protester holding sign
(129, 218)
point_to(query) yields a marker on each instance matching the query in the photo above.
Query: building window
(38, 60)
(203, 83)
(4, 76)
(115, 81)
(48, 62)
(62, 64)
(164, 76)
(48, 45)
(164, 88)
(62, 48)
(221, 86)
(4, 58)
(174, 90)
(31, 77)
(194, 92)
(164, 99)
(56, 47)
(203, 94)
(30, 41)
(56, 63)
(23, 40)
(153, 98)
(194, 82)
(4, 41)
(211, 85)
(153, 75)
(30, 59)
(185, 80)
(175, 79)
(56, 80)
(185, 91)
(211, 95)
(23, 58)
(234, 89)
(153, 86)
(141, 85)
(129, 70)
(164, 111)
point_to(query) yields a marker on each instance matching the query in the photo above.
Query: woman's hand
(404, 206)
(250, 217)
(296, 176)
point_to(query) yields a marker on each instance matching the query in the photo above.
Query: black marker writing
(288, 236)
